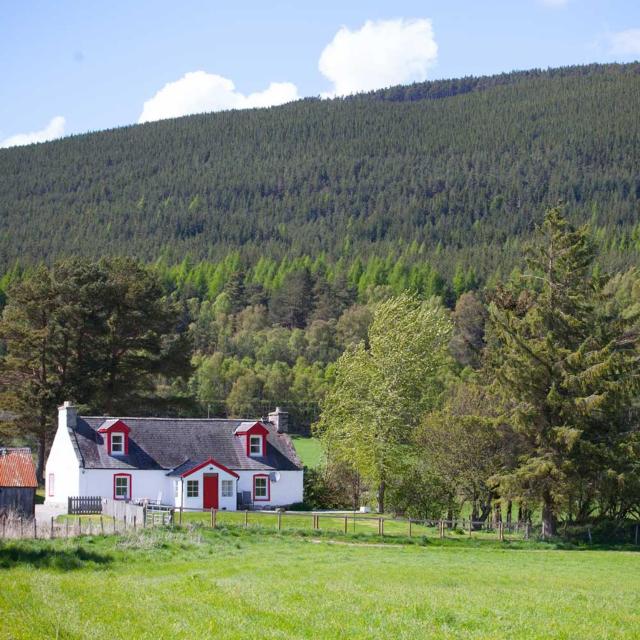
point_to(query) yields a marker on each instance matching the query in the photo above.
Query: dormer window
(117, 443)
(116, 436)
(255, 445)
(253, 436)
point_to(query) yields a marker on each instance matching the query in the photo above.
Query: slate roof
(190, 464)
(17, 468)
(167, 443)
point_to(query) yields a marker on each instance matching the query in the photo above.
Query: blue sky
(70, 67)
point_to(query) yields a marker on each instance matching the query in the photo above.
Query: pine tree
(564, 369)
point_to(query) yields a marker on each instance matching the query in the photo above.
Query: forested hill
(457, 170)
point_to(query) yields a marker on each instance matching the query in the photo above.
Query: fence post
(501, 531)
(410, 527)
(125, 521)
(470, 526)
(114, 524)
(4, 525)
(135, 523)
(636, 535)
(79, 526)
(246, 518)
(21, 531)
(101, 525)
(279, 520)
(35, 528)
(52, 534)
(180, 521)
(213, 518)
(441, 528)
(346, 523)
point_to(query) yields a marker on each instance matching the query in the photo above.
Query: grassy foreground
(234, 584)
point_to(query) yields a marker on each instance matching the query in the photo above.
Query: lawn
(230, 583)
(309, 450)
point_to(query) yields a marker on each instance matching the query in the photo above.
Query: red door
(210, 492)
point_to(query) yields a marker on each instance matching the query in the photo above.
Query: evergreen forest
(439, 281)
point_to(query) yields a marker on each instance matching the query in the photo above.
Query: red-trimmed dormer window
(116, 434)
(255, 445)
(255, 438)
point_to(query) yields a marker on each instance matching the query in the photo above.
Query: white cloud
(199, 91)
(55, 129)
(379, 54)
(625, 43)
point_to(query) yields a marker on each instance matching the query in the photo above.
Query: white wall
(151, 485)
(196, 503)
(285, 491)
(62, 462)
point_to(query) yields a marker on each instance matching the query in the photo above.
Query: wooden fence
(333, 522)
(88, 525)
(349, 522)
(84, 505)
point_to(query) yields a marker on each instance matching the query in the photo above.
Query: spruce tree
(565, 370)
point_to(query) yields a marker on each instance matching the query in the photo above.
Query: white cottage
(194, 463)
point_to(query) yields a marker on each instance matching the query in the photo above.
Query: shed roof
(17, 468)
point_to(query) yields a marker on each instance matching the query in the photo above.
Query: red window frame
(266, 476)
(51, 485)
(129, 485)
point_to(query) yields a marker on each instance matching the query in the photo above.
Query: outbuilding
(18, 482)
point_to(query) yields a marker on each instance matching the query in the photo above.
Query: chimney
(280, 419)
(67, 416)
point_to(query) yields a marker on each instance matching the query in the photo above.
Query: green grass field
(309, 450)
(228, 583)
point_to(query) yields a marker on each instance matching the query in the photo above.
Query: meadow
(196, 582)
(309, 450)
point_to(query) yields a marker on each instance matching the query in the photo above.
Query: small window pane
(117, 443)
(260, 487)
(227, 488)
(255, 446)
(122, 487)
(192, 488)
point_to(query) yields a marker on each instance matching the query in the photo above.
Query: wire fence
(20, 528)
(348, 523)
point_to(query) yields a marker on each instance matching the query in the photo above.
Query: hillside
(466, 165)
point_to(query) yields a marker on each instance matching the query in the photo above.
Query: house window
(193, 487)
(227, 488)
(122, 486)
(260, 487)
(117, 443)
(255, 445)
(51, 484)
